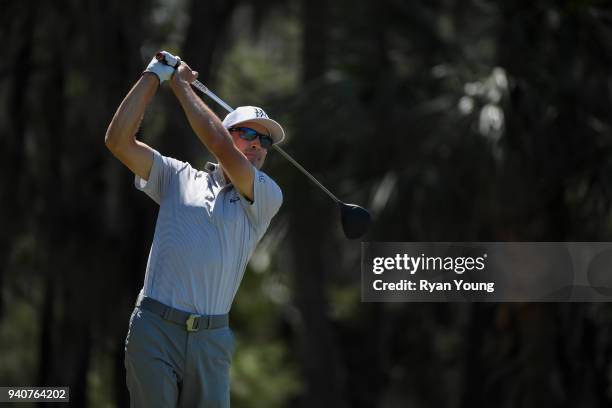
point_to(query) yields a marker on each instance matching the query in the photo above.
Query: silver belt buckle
(193, 322)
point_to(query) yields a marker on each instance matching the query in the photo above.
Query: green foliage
(263, 371)
(99, 381)
(261, 376)
(261, 67)
(19, 335)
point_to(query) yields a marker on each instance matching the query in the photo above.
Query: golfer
(179, 346)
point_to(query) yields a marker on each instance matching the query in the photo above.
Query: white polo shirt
(205, 234)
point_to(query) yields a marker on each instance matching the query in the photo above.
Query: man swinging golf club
(179, 347)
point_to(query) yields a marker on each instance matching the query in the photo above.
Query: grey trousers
(167, 366)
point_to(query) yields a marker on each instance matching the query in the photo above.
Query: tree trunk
(12, 141)
(310, 243)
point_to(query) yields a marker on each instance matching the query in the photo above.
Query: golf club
(355, 219)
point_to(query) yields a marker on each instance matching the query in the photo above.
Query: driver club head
(355, 220)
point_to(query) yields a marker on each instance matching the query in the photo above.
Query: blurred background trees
(451, 120)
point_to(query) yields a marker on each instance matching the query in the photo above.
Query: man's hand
(162, 71)
(184, 76)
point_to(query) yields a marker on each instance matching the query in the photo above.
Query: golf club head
(355, 220)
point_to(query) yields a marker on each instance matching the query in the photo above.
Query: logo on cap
(259, 113)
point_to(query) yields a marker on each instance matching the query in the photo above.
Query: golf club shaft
(204, 89)
(305, 172)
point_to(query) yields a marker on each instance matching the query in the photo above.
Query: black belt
(192, 322)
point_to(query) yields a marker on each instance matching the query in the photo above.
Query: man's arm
(211, 132)
(121, 133)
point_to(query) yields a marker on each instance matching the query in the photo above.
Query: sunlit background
(472, 120)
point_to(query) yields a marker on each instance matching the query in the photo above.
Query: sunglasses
(249, 135)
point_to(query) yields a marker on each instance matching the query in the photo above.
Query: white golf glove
(161, 68)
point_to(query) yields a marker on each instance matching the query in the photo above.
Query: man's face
(251, 149)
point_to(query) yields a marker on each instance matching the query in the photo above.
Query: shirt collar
(215, 171)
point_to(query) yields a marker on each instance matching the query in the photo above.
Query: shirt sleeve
(267, 199)
(163, 172)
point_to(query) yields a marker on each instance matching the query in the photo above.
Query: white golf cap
(254, 114)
